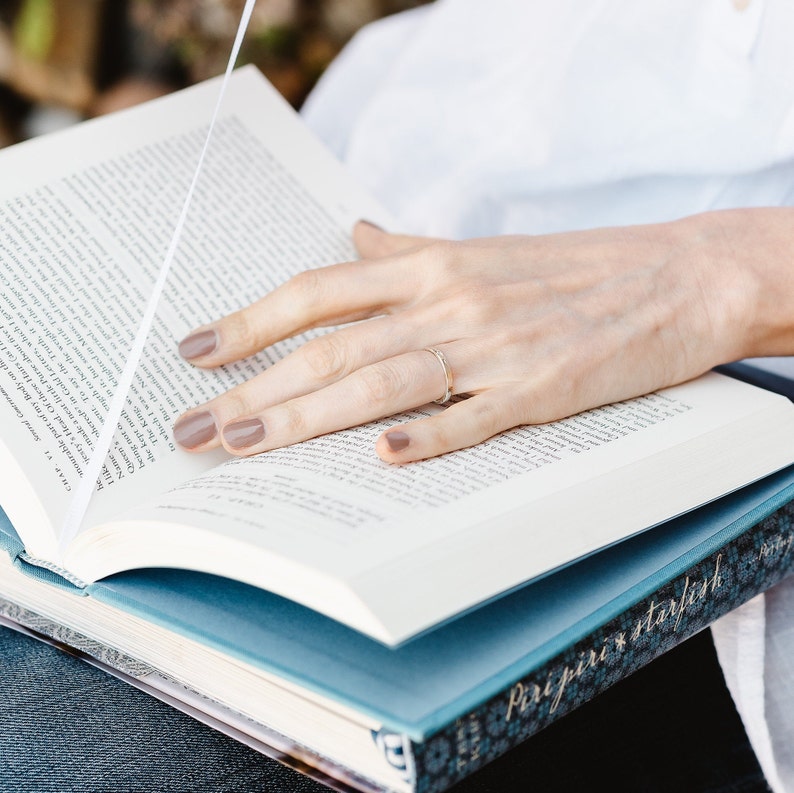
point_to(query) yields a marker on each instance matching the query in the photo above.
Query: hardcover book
(314, 599)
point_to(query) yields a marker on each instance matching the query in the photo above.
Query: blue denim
(66, 726)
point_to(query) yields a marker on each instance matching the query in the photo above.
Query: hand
(534, 329)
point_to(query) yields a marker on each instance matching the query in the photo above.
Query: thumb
(372, 242)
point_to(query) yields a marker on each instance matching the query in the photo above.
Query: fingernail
(242, 434)
(397, 440)
(198, 344)
(371, 224)
(195, 429)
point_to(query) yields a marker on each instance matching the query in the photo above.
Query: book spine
(713, 586)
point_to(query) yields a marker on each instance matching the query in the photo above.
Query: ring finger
(387, 387)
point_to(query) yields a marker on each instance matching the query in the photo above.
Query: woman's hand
(533, 328)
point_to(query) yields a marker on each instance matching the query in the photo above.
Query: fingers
(357, 374)
(372, 242)
(318, 363)
(331, 295)
(313, 298)
(383, 388)
(463, 424)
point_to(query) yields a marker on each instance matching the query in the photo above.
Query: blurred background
(64, 60)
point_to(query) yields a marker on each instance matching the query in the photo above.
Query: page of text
(331, 503)
(78, 257)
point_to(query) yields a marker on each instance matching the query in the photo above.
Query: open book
(85, 220)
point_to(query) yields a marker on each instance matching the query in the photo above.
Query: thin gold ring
(448, 379)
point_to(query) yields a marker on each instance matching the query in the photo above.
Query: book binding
(47, 571)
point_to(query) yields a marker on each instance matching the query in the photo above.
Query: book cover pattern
(713, 586)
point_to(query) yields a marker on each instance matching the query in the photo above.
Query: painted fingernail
(397, 440)
(198, 344)
(242, 434)
(371, 224)
(195, 429)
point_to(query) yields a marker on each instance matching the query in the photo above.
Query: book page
(448, 532)
(336, 503)
(80, 252)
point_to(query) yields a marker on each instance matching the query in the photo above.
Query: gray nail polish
(245, 433)
(371, 224)
(397, 440)
(195, 429)
(198, 344)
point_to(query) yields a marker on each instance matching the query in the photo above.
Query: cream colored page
(327, 524)
(330, 504)
(79, 254)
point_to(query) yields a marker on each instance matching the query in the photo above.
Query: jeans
(66, 726)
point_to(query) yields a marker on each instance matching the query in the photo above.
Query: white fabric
(741, 648)
(779, 679)
(470, 118)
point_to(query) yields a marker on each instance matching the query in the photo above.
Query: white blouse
(469, 118)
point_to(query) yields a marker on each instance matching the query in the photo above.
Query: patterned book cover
(713, 586)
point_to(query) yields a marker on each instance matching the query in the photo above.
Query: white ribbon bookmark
(93, 469)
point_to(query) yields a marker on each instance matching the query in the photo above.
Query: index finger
(314, 298)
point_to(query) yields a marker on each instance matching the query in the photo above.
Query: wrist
(744, 261)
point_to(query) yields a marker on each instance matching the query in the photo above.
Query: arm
(534, 329)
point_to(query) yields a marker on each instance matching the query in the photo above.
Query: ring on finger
(448, 378)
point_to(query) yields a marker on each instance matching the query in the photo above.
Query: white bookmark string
(93, 469)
